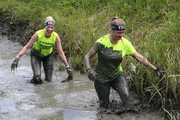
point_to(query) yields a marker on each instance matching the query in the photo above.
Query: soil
(16, 31)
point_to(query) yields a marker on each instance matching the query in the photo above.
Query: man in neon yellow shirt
(42, 43)
(108, 71)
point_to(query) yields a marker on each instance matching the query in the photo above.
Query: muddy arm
(87, 57)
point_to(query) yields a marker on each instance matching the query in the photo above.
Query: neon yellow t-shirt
(108, 65)
(44, 46)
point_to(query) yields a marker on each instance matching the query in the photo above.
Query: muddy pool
(73, 100)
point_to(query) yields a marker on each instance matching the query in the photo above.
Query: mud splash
(74, 100)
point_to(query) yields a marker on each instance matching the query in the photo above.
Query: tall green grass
(152, 27)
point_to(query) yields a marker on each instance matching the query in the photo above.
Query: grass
(152, 27)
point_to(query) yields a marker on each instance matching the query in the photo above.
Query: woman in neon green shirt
(42, 43)
(108, 71)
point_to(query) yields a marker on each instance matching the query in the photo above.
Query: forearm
(22, 52)
(145, 62)
(87, 57)
(86, 62)
(63, 58)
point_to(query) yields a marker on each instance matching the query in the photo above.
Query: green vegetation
(152, 27)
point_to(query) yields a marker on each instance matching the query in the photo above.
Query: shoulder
(55, 33)
(40, 31)
(103, 39)
(125, 41)
(101, 42)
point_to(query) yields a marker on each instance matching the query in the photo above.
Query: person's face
(117, 34)
(49, 29)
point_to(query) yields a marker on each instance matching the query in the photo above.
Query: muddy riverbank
(16, 31)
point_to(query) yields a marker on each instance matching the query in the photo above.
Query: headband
(49, 23)
(118, 27)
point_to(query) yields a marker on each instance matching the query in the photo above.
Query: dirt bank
(16, 31)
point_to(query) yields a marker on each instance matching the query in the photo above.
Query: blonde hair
(49, 18)
(117, 21)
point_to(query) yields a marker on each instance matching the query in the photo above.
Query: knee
(48, 67)
(125, 94)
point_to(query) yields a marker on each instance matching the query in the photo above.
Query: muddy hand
(14, 64)
(91, 74)
(159, 72)
(67, 79)
(70, 75)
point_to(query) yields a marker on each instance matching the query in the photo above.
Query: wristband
(67, 66)
(18, 57)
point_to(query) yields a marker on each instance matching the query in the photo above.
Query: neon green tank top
(44, 46)
(108, 65)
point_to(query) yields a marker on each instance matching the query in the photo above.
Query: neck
(113, 40)
(47, 35)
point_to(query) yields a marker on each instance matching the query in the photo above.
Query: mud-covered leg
(48, 74)
(120, 85)
(36, 67)
(48, 68)
(103, 91)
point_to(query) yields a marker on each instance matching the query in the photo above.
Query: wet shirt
(108, 65)
(44, 46)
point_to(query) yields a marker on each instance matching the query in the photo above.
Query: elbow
(85, 58)
(137, 59)
(27, 47)
(142, 60)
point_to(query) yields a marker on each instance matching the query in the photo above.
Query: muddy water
(74, 100)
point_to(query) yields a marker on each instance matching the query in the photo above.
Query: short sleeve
(97, 46)
(129, 49)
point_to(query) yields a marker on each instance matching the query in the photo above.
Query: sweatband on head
(49, 23)
(118, 27)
